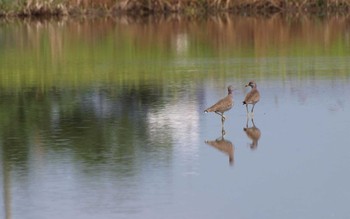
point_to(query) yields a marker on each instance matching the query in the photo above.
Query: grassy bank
(140, 7)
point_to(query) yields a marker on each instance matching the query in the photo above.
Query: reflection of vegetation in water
(80, 52)
(97, 126)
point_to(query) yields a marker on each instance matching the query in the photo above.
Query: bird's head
(230, 89)
(251, 84)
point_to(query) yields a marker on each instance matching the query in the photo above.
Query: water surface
(104, 118)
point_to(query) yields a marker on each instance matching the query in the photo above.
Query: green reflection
(90, 122)
(95, 127)
(77, 53)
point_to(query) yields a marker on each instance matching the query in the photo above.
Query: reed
(111, 7)
(33, 7)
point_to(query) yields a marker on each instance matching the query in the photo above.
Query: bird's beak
(246, 85)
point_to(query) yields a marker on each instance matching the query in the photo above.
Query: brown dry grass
(111, 7)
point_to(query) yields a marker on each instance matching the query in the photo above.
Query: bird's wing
(252, 96)
(223, 103)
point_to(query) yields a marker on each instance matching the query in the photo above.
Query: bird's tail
(210, 109)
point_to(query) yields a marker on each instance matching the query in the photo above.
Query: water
(104, 118)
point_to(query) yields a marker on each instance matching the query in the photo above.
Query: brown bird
(222, 105)
(253, 96)
(253, 133)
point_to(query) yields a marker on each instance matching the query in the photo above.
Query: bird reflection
(253, 133)
(223, 145)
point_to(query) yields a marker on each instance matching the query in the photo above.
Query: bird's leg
(222, 125)
(222, 122)
(253, 107)
(222, 115)
(253, 122)
(223, 132)
(223, 118)
(252, 113)
(248, 113)
(246, 106)
(218, 113)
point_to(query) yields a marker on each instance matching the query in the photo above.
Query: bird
(252, 97)
(222, 105)
(253, 133)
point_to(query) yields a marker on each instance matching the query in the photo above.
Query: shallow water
(104, 118)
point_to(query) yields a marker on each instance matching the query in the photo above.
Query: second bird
(253, 96)
(222, 105)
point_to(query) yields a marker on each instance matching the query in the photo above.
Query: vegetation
(141, 7)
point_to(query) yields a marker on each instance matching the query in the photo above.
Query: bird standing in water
(222, 105)
(252, 97)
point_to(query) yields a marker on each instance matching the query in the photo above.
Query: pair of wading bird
(226, 103)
